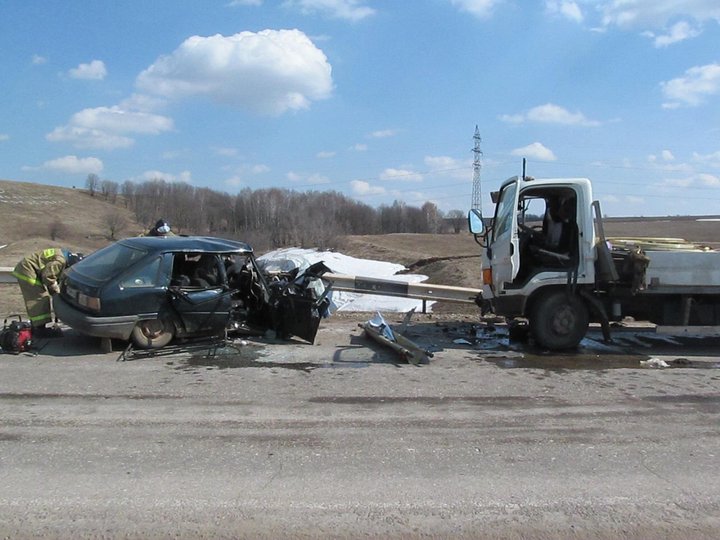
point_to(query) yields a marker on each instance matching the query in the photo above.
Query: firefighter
(161, 228)
(38, 276)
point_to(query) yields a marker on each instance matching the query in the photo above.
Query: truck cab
(541, 252)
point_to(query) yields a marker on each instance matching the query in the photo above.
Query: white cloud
(383, 133)
(665, 155)
(677, 182)
(656, 13)
(310, 179)
(150, 175)
(445, 166)
(680, 31)
(709, 180)
(74, 165)
(95, 70)
(142, 102)
(107, 127)
(4, 137)
(117, 120)
(567, 9)
(359, 147)
(698, 83)
(535, 150)
(325, 155)
(268, 72)
(234, 181)
(235, 3)
(550, 114)
(351, 10)
(361, 187)
(712, 160)
(403, 175)
(81, 137)
(226, 152)
(38, 60)
(479, 8)
(316, 179)
(680, 20)
(259, 168)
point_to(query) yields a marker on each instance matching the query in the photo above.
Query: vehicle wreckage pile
(151, 290)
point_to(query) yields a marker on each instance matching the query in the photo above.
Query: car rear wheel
(152, 334)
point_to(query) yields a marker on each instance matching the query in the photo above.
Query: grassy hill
(36, 216)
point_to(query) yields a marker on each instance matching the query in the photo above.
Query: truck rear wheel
(559, 320)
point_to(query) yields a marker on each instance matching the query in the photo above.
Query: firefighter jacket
(42, 268)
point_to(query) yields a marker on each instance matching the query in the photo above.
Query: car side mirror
(475, 222)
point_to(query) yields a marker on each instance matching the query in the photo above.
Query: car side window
(145, 275)
(196, 271)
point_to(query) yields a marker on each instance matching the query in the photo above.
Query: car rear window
(109, 261)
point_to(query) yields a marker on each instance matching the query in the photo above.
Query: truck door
(504, 249)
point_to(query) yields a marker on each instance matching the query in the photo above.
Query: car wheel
(152, 334)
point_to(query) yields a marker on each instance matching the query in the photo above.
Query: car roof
(206, 244)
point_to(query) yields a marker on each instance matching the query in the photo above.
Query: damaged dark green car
(150, 290)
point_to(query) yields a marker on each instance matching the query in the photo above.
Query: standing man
(38, 276)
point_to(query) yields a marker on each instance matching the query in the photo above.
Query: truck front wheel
(559, 320)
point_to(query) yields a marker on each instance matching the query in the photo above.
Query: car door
(300, 303)
(201, 302)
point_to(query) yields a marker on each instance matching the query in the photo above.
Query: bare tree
(128, 192)
(109, 189)
(433, 217)
(457, 219)
(115, 222)
(91, 183)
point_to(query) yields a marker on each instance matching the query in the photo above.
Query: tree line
(269, 217)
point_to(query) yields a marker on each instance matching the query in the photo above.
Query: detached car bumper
(106, 327)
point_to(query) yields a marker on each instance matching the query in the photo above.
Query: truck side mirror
(475, 222)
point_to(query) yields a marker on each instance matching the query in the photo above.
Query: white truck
(560, 282)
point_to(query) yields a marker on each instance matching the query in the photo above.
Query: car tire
(152, 334)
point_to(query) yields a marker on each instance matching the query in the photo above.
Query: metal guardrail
(6, 275)
(385, 287)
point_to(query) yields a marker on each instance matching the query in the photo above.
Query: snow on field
(289, 258)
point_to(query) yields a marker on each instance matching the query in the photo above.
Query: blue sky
(375, 99)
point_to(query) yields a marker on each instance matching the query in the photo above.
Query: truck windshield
(505, 210)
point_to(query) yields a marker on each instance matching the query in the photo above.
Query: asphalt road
(340, 440)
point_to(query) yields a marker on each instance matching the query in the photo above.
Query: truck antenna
(524, 164)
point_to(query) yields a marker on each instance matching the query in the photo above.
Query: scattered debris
(654, 363)
(377, 329)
